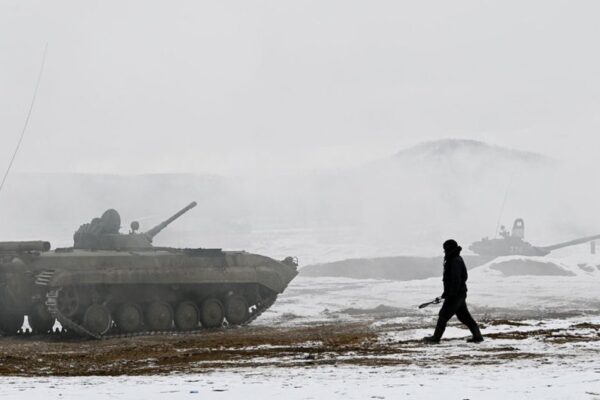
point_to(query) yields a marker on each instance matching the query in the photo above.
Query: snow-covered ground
(542, 342)
(553, 381)
(492, 292)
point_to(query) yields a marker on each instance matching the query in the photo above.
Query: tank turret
(513, 243)
(103, 233)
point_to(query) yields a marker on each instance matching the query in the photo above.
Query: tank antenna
(503, 204)
(37, 85)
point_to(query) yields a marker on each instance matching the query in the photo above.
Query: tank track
(67, 323)
(80, 330)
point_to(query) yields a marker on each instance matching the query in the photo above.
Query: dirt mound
(400, 268)
(519, 267)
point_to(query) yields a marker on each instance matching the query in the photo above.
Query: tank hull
(99, 293)
(509, 246)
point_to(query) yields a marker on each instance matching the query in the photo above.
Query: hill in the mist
(451, 186)
(459, 148)
(465, 159)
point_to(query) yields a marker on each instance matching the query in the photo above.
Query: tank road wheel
(68, 302)
(159, 316)
(187, 316)
(40, 319)
(97, 319)
(236, 309)
(211, 313)
(129, 318)
(10, 323)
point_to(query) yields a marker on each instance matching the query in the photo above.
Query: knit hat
(450, 245)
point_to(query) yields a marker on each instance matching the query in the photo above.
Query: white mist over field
(407, 203)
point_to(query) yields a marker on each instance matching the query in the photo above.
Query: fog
(404, 204)
(317, 129)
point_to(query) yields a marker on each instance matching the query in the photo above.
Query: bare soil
(305, 346)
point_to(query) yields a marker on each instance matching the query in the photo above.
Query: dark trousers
(456, 305)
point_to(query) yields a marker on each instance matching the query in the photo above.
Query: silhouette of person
(455, 295)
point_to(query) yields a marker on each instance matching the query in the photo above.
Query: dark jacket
(455, 275)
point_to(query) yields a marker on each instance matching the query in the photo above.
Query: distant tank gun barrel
(570, 243)
(23, 247)
(156, 230)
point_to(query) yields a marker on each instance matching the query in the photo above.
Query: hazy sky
(236, 86)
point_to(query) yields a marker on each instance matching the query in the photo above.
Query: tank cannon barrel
(22, 247)
(570, 243)
(156, 230)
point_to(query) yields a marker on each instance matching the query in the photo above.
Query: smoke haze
(404, 204)
(314, 128)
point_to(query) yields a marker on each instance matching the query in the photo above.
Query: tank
(513, 243)
(118, 284)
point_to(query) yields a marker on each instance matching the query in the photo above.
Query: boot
(437, 334)
(431, 340)
(477, 337)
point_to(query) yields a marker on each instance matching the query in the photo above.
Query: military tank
(118, 284)
(513, 243)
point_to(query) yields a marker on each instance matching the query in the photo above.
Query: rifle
(437, 300)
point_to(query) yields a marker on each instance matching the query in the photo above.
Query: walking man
(455, 295)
